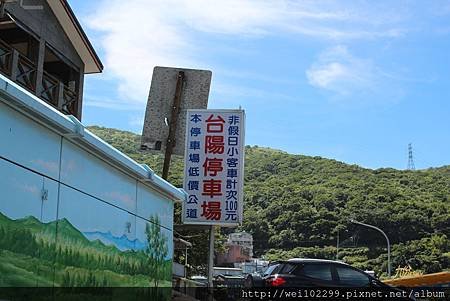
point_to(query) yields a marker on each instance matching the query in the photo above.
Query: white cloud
(137, 121)
(135, 38)
(338, 71)
(226, 90)
(229, 17)
(105, 103)
(137, 35)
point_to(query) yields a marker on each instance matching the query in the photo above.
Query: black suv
(312, 273)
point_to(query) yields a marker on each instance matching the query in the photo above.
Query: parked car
(200, 279)
(300, 272)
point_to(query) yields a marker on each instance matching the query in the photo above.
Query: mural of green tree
(157, 249)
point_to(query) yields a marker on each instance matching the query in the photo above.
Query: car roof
(313, 260)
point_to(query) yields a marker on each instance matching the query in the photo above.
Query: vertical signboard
(214, 167)
(161, 100)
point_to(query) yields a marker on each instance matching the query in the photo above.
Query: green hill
(68, 232)
(295, 206)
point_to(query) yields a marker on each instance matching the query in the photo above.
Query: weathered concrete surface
(160, 100)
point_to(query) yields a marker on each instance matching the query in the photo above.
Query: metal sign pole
(173, 124)
(211, 262)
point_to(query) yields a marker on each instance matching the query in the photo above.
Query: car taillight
(277, 281)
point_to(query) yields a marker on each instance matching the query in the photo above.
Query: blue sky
(351, 80)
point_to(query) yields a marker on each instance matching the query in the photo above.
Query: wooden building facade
(44, 49)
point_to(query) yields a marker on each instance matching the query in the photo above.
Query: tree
(296, 201)
(157, 249)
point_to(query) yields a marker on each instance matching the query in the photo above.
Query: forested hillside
(296, 205)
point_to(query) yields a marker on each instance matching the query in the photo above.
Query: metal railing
(70, 101)
(24, 71)
(50, 86)
(5, 58)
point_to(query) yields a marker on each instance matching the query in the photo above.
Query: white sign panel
(214, 167)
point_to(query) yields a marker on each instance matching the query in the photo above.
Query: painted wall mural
(90, 244)
(81, 223)
(30, 257)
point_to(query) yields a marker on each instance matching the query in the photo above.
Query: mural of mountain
(67, 233)
(123, 243)
(35, 226)
(29, 222)
(4, 219)
(82, 259)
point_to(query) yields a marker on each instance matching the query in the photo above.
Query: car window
(287, 268)
(271, 269)
(351, 277)
(316, 271)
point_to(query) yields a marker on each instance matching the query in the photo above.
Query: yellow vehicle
(441, 279)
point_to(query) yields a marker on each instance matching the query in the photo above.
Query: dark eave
(76, 34)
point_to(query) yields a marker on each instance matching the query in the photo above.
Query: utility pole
(387, 240)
